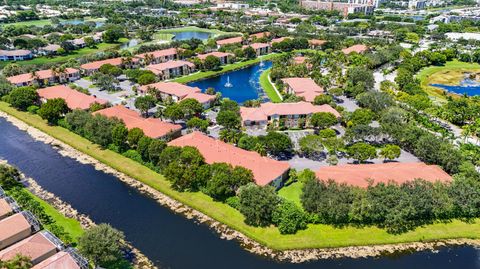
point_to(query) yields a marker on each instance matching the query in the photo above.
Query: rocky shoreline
(225, 232)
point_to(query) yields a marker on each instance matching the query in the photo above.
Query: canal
(168, 239)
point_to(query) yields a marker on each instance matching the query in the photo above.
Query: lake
(170, 240)
(245, 83)
(131, 43)
(467, 86)
(190, 34)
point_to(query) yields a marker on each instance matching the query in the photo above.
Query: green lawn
(451, 73)
(316, 236)
(268, 87)
(227, 68)
(292, 192)
(61, 59)
(71, 226)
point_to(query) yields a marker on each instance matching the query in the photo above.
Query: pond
(170, 240)
(80, 21)
(190, 34)
(245, 83)
(467, 86)
(131, 43)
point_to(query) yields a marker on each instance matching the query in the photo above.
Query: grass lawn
(71, 226)
(61, 59)
(268, 87)
(316, 236)
(450, 74)
(227, 68)
(292, 192)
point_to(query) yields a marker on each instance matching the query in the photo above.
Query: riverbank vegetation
(68, 230)
(315, 236)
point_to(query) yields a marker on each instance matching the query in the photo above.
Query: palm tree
(149, 58)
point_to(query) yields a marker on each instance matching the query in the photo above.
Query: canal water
(245, 83)
(168, 239)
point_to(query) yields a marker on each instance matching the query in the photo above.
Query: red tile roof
(280, 39)
(260, 35)
(269, 109)
(35, 247)
(159, 53)
(228, 41)
(304, 87)
(256, 46)
(14, 52)
(12, 226)
(5, 208)
(355, 48)
(180, 90)
(73, 98)
(316, 42)
(217, 54)
(61, 260)
(155, 68)
(97, 64)
(357, 174)
(42, 74)
(151, 127)
(264, 169)
(299, 59)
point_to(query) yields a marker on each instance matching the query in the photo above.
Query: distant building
(342, 7)
(230, 5)
(50, 49)
(158, 56)
(355, 48)
(15, 55)
(73, 98)
(178, 92)
(230, 41)
(151, 127)
(260, 48)
(315, 43)
(265, 171)
(92, 67)
(45, 77)
(466, 36)
(171, 69)
(223, 56)
(292, 114)
(360, 174)
(303, 87)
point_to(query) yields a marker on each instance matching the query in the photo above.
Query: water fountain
(228, 84)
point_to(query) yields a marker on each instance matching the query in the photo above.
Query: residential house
(223, 56)
(73, 98)
(172, 69)
(151, 127)
(16, 227)
(78, 43)
(158, 56)
(361, 175)
(260, 48)
(230, 41)
(359, 48)
(45, 77)
(15, 55)
(37, 247)
(7, 207)
(259, 35)
(92, 67)
(177, 92)
(66, 259)
(279, 39)
(303, 87)
(316, 43)
(290, 115)
(50, 49)
(265, 171)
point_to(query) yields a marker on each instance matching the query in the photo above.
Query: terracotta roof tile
(357, 174)
(269, 109)
(151, 127)
(264, 169)
(12, 226)
(35, 247)
(217, 54)
(228, 41)
(159, 53)
(42, 74)
(355, 48)
(73, 98)
(304, 87)
(180, 90)
(61, 260)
